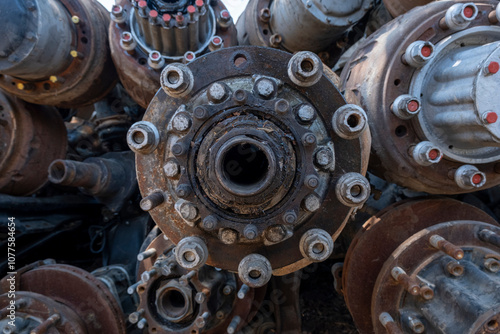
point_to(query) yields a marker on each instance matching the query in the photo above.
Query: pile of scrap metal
(158, 178)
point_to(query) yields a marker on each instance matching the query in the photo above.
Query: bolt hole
(173, 77)
(428, 294)
(84, 32)
(462, 45)
(353, 120)
(401, 131)
(142, 61)
(255, 274)
(138, 137)
(141, 289)
(265, 31)
(1, 108)
(450, 147)
(318, 248)
(492, 325)
(84, 40)
(46, 86)
(356, 191)
(240, 60)
(306, 65)
(397, 82)
(154, 330)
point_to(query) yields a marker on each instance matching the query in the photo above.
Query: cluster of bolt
(171, 35)
(414, 286)
(352, 189)
(264, 16)
(405, 106)
(166, 266)
(53, 79)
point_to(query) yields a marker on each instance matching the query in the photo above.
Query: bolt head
(143, 137)
(250, 232)
(290, 217)
(282, 106)
(181, 122)
(311, 203)
(276, 233)
(228, 236)
(265, 88)
(177, 80)
(306, 113)
(217, 92)
(171, 169)
(305, 69)
(323, 157)
(210, 223)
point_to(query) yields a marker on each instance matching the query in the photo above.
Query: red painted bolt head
(143, 4)
(189, 56)
(126, 36)
(468, 11)
(477, 178)
(216, 40)
(493, 67)
(179, 17)
(153, 14)
(116, 9)
(491, 117)
(426, 51)
(191, 9)
(433, 154)
(199, 3)
(155, 55)
(412, 105)
(166, 17)
(225, 14)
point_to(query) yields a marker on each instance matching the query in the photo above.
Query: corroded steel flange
(425, 83)
(176, 300)
(380, 237)
(245, 157)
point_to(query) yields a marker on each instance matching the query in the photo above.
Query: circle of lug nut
(418, 53)
(426, 154)
(469, 177)
(143, 137)
(177, 80)
(352, 189)
(406, 106)
(127, 41)
(217, 92)
(349, 121)
(155, 60)
(255, 270)
(305, 69)
(191, 253)
(459, 16)
(316, 245)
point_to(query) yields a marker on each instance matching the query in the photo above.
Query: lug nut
(305, 69)
(171, 169)
(492, 265)
(187, 210)
(224, 20)
(349, 121)
(324, 157)
(117, 14)
(418, 53)
(408, 283)
(306, 113)
(415, 325)
(388, 322)
(406, 106)
(250, 232)
(216, 43)
(352, 189)
(426, 292)
(276, 233)
(177, 80)
(217, 92)
(275, 40)
(188, 57)
(490, 117)
(455, 268)
(191, 253)
(155, 60)
(265, 88)
(181, 122)
(316, 245)
(143, 137)
(426, 154)
(228, 236)
(311, 203)
(265, 14)
(255, 270)
(447, 247)
(469, 177)
(152, 201)
(127, 41)
(459, 16)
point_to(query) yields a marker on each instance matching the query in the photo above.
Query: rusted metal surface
(140, 79)
(205, 300)
(399, 7)
(77, 289)
(31, 138)
(36, 313)
(183, 159)
(87, 77)
(379, 238)
(376, 89)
